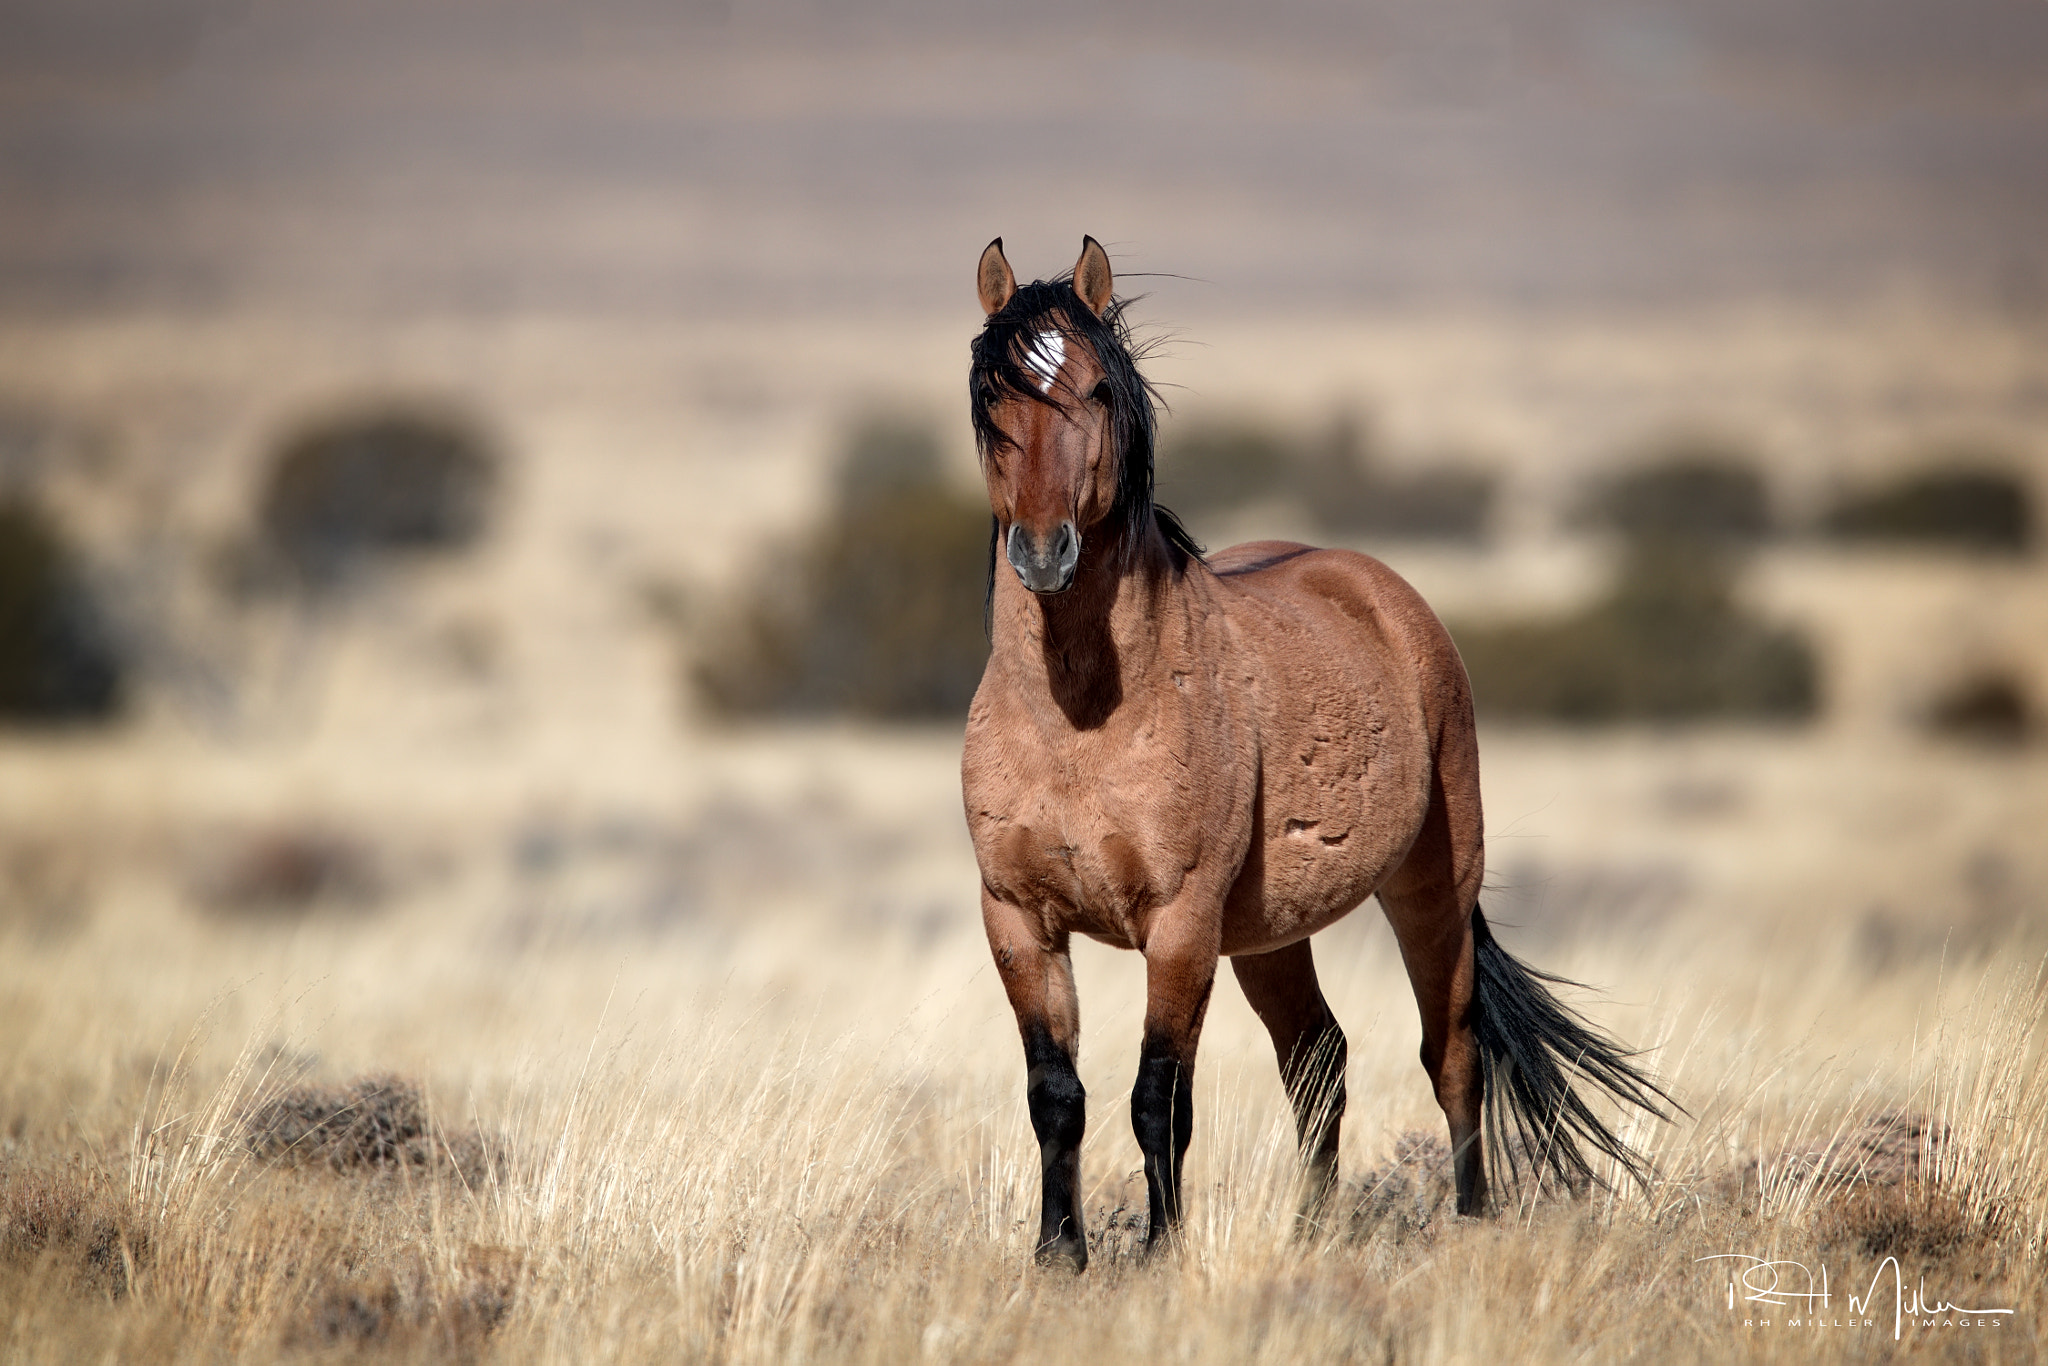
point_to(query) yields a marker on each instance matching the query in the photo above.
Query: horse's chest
(1093, 841)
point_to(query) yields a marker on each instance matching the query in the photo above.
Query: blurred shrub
(876, 611)
(1346, 494)
(1694, 490)
(56, 661)
(1989, 707)
(374, 481)
(1216, 468)
(1983, 509)
(1221, 466)
(1668, 643)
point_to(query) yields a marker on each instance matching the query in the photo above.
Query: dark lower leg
(1059, 1116)
(1163, 1116)
(1470, 1169)
(1038, 977)
(1314, 1075)
(1180, 969)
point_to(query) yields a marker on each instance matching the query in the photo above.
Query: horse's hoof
(1068, 1253)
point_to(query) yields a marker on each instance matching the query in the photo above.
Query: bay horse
(1206, 758)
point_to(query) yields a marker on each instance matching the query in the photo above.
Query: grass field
(703, 1060)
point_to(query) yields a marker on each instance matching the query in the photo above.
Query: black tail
(1530, 1044)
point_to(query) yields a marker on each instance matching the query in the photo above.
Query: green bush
(876, 611)
(384, 479)
(1667, 644)
(1980, 508)
(57, 663)
(1694, 490)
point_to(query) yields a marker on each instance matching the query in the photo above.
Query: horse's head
(1063, 420)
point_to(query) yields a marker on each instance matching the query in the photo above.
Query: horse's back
(1286, 579)
(1249, 557)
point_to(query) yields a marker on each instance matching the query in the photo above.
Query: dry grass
(788, 1125)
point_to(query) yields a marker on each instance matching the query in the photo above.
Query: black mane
(997, 371)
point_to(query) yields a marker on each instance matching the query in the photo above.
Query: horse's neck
(1089, 648)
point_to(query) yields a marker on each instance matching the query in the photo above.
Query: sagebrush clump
(875, 610)
(1695, 490)
(1333, 476)
(377, 1121)
(58, 661)
(1963, 501)
(369, 482)
(1668, 642)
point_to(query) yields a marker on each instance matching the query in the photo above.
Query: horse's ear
(993, 279)
(1092, 280)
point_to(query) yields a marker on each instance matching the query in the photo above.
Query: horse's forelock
(1001, 365)
(1002, 368)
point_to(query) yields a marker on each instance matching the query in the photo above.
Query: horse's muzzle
(1045, 566)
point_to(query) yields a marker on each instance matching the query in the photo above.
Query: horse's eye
(1100, 393)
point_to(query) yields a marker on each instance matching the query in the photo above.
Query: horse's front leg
(1039, 978)
(1181, 949)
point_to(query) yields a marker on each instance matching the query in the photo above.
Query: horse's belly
(1311, 878)
(1342, 801)
(1298, 885)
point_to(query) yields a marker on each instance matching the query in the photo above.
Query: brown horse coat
(1199, 760)
(1284, 716)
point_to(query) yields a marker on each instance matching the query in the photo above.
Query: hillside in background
(730, 158)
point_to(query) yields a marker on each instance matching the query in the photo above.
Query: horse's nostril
(1045, 566)
(1023, 555)
(1066, 548)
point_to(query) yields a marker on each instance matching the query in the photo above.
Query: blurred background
(442, 443)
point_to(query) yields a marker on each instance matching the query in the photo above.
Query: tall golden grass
(789, 1126)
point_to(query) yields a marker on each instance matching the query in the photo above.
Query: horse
(1206, 757)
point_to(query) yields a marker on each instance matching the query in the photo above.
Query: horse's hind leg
(1039, 979)
(1282, 989)
(1429, 902)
